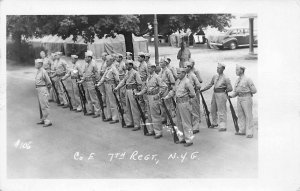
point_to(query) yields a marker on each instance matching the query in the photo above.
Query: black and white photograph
(148, 95)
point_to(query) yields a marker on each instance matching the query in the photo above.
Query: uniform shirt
(42, 77)
(194, 80)
(121, 67)
(103, 67)
(74, 70)
(174, 72)
(47, 64)
(183, 88)
(60, 67)
(220, 81)
(184, 55)
(111, 74)
(197, 73)
(154, 83)
(131, 77)
(90, 70)
(244, 85)
(143, 70)
(166, 75)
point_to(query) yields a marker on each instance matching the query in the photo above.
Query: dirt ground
(78, 146)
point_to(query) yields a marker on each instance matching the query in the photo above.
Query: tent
(109, 45)
(78, 47)
(117, 45)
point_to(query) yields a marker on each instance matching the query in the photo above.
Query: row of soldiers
(119, 88)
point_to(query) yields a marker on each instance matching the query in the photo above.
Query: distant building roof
(250, 15)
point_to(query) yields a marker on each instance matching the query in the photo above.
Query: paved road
(51, 154)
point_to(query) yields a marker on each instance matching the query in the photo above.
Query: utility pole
(251, 35)
(156, 40)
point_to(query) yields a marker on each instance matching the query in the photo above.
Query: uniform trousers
(219, 110)
(244, 109)
(91, 97)
(184, 121)
(44, 103)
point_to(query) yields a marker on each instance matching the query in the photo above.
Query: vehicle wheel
(232, 45)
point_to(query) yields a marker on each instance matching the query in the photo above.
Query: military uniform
(183, 55)
(183, 91)
(42, 80)
(102, 69)
(218, 103)
(73, 72)
(89, 77)
(154, 88)
(143, 71)
(195, 102)
(110, 78)
(167, 77)
(60, 67)
(131, 82)
(244, 89)
(121, 67)
(47, 63)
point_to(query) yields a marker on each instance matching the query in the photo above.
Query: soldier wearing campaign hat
(89, 77)
(102, 69)
(60, 67)
(244, 90)
(195, 102)
(143, 71)
(121, 67)
(74, 72)
(167, 77)
(42, 81)
(154, 89)
(221, 85)
(132, 82)
(110, 79)
(183, 91)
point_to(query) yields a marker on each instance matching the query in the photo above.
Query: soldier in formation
(123, 82)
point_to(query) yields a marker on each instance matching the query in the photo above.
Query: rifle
(68, 96)
(55, 90)
(174, 103)
(82, 98)
(142, 115)
(234, 117)
(175, 137)
(205, 110)
(99, 95)
(121, 111)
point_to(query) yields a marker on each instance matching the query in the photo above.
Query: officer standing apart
(244, 89)
(183, 91)
(218, 103)
(74, 93)
(194, 101)
(42, 81)
(47, 66)
(60, 67)
(110, 78)
(154, 88)
(89, 77)
(131, 81)
(183, 55)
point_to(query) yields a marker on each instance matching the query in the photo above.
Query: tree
(88, 26)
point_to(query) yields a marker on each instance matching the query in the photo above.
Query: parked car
(233, 38)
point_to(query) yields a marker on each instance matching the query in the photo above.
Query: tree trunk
(128, 42)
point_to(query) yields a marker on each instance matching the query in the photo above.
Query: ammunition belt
(246, 94)
(182, 99)
(131, 86)
(39, 86)
(153, 92)
(219, 90)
